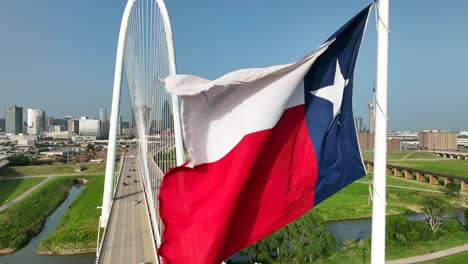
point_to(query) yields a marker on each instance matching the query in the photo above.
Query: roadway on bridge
(129, 237)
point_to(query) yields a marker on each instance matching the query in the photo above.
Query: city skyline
(70, 66)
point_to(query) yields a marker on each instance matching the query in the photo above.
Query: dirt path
(430, 256)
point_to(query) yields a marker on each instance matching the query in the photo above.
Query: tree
(301, 241)
(435, 209)
(452, 190)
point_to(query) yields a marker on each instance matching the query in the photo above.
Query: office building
(104, 123)
(90, 127)
(438, 140)
(73, 126)
(49, 121)
(358, 124)
(36, 121)
(14, 120)
(119, 126)
(372, 116)
(2, 124)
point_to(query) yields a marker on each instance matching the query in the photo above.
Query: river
(361, 228)
(27, 255)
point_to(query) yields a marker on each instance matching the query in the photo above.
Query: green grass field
(405, 155)
(77, 229)
(352, 201)
(25, 219)
(63, 169)
(458, 258)
(12, 188)
(360, 253)
(447, 166)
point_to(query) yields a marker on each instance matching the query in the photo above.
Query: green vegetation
(77, 229)
(12, 188)
(359, 253)
(25, 219)
(452, 259)
(353, 200)
(447, 166)
(301, 241)
(402, 155)
(64, 169)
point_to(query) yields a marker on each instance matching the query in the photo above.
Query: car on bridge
(126, 184)
(136, 202)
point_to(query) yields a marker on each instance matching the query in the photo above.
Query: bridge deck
(129, 237)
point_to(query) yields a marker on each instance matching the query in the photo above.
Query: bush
(19, 160)
(403, 232)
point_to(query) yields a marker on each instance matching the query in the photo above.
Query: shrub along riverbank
(308, 241)
(77, 229)
(25, 219)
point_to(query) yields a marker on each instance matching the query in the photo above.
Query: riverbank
(76, 232)
(12, 188)
(359, 252)
(352, 201)
(25, 219)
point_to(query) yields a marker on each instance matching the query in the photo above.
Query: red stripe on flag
(215, 209)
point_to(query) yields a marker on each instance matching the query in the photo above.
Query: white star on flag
(334, 93)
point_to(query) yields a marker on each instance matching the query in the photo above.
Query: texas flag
(266, 145)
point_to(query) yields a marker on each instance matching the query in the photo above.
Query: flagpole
(380, 150)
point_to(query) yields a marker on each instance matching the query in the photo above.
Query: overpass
(451, 154)
(421, 175)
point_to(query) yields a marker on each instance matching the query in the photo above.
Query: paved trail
(23, 195)
(430, 256)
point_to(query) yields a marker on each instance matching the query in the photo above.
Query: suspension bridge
(130, 223)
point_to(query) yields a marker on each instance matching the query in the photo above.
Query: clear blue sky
(59, 55)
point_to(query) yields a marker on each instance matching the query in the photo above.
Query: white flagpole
(380, 150)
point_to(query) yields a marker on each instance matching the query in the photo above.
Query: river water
(361, 228)
(27, 255)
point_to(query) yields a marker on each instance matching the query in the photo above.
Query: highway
(128, 238)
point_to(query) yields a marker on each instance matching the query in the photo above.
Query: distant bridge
(451, 154)
(421, 175)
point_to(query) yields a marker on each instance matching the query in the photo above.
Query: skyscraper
(104, 123)
(372, 117)
(14, 120)
(358, 124)
(119, 126)
(36, 121)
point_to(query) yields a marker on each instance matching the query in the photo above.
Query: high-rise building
(125, 124)
(49, 121)
(36, 121)
(104, 123)
(14, 120)
(438, 140)
(372, 117)
(358, 124)
(73, 126)
(2, 124)
(90, 127)
(119, 126)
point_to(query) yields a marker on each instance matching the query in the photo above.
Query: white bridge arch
(145, 54)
